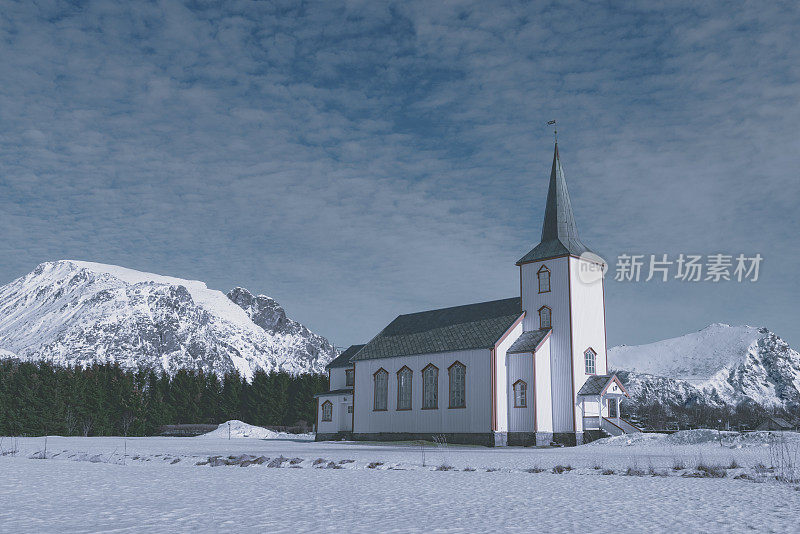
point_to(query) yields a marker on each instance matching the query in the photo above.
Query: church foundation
(487, 439)
(568, 439)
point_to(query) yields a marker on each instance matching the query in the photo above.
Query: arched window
(544, 317)
(430, 387)
(381, 390)
(544, 279)
(520, 394)
(458, 385)
(327, 411)
(404, 377)
(589, 358)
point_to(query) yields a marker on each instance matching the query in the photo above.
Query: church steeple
(559, 222)
(559, 231)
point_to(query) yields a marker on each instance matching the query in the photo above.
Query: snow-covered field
(182, 484)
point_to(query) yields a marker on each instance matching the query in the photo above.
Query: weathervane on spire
(555, 128)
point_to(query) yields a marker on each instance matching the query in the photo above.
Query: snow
(694, 357)
(720, 364)
(91, 485)
(212, 300)
(75, 312)
(704, 436)
(238, 429)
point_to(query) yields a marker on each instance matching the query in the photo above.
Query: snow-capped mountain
(265, 312)
(718, 365)
(74, 312)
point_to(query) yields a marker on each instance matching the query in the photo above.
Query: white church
(528, 370)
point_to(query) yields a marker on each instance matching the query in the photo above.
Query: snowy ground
(156, 485)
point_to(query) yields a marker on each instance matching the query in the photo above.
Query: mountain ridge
(74, 312)
(717, 366)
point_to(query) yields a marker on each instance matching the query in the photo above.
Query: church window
(544, 317)
(381, 390)
(520, 394)
(589, 358)
(458, 386)
(404, 377)
(544, 279)
(430, 387)
(349, 377)
(327, 411)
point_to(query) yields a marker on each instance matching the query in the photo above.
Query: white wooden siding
(562, 395)
(476, 417)
(588, 327)
(338, 379)
(590, 407)
(544, 399)
(502, 383)
(520, 367)
(339, 421)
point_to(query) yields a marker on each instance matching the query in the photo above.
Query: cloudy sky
(360, 160)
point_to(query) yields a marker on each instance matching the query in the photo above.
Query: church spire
(559, 231)
(559, 222)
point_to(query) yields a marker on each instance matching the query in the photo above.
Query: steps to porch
(614, 426)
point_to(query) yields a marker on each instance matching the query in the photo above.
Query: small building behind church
(526, 370)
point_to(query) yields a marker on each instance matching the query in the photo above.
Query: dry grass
(707, 471)
(678, 464)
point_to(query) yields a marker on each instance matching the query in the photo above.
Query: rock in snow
(74, 312)
(718, 365)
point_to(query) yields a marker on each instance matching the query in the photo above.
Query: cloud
(360, 160)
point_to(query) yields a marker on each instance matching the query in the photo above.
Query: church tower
(562, 289)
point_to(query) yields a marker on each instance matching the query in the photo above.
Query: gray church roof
(344, 359)
(343, 391)
(528, 341)
(474, 326)
(559, 231)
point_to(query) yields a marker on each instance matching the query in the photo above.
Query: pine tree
(185, 397)
(211, 395)
(257, 395)
(232, 398)
(277, 405)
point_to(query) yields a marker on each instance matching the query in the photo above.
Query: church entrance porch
(599, 400)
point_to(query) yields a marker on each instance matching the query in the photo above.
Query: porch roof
(528, 341)
(597, 384)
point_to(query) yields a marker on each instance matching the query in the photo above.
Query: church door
(346, 416)
(612, 407)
